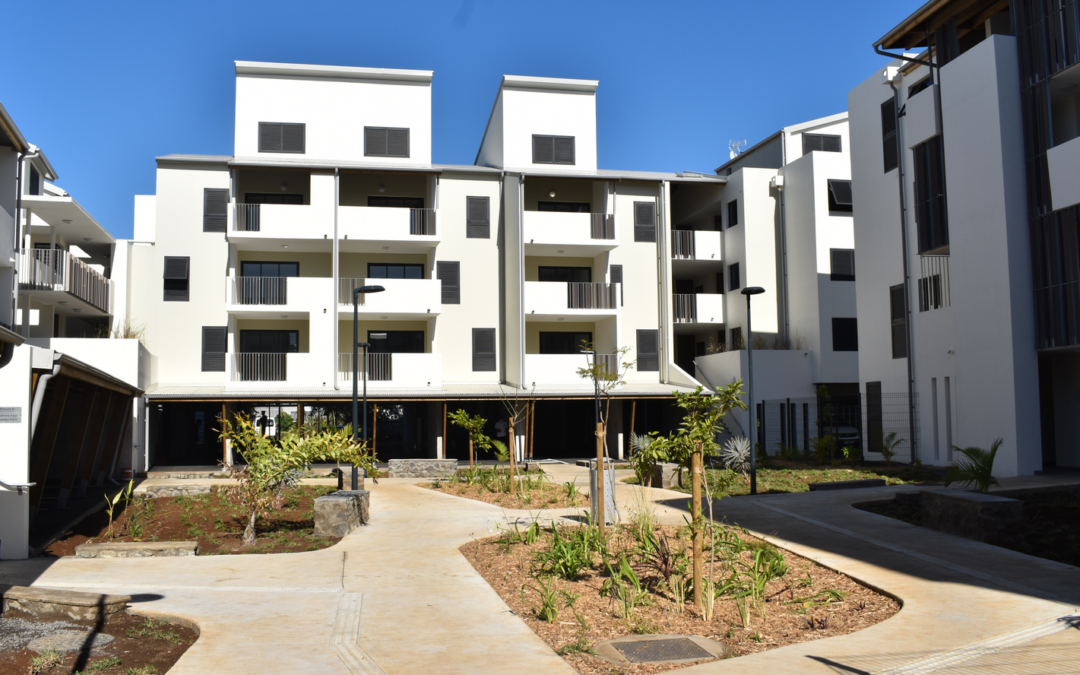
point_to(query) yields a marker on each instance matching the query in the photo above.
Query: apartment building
(244, 267)
(966, 209)
(12, 148)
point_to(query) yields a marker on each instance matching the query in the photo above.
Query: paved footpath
(396, 597)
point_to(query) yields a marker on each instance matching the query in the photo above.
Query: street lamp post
(749, 291)
(356, 368)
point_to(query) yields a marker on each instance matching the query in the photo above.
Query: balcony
(698, 308)
(291, 369)
(403, 299)
(269, 227)
(556, 300)
(56, 277)
(379, 229)
(561, 369)
(550, 233)
(395, 370)
(701, 245)
(256, 297)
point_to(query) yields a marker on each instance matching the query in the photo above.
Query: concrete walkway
(397, 597)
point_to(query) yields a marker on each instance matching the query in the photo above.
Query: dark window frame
(898, 316)
(383, 346)
(215, 219)
(262, 333)
(540, 150)
(556, 269)
(890, 151)
(845, 334)
(839, 267)
(214, 361)
(244, 263)
(177, 284)
(648, 361)
(475, 226)
(836, 188)
(732, 213)
(931, 194)
(404, 266)
(448, 272)
(734, 277)
(369, 139)
(574, 345)
(406, 202)
(278, 145)
(645, 232)
(480, 359)
(822, 143)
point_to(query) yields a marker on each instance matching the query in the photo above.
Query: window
(921, 85)
(386, 142)
(478, 218)
(875, 419)
(395, 271)
(734, 282)
(733, 213)
(737, 338)
(215, 209)
(176, 279)
(845, 335)
(450, 275)
(839, 196)
(483, 350)
(616, 278)
(214, 344)
(269, 341)
(563, 342)
(931, 213)
(842, 262)
(719, 282)
(272, 198)
(930, 295)
(820, 142)
(281, 137)
(553, 149)
(396, 202)
(396, 342)
(35, 181)
(718, 223)
(566, 274)
(564, 207)
(888, 135)
(645, 221)
(648, 351)
(898, 313)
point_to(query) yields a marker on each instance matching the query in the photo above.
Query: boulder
(341, 512)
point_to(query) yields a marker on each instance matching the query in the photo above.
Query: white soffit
(332, 72)
(549, 84)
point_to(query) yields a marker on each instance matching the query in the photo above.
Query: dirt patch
(533, 491)
(809, 602)
(211, 519)
(142, 646)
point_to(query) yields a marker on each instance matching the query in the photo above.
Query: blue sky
(105, 87)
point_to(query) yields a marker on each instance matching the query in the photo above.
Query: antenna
(736, 148)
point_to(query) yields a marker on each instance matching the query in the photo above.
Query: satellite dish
(735, 147)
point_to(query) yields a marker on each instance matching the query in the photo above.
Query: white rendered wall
(641, 307)
(834, 125)
(145, 217)
(335, 112)
(752, 244)
(525, 113)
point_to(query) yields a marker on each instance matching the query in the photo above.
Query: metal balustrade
(247, 218)
(603, 226)
(685, 308)
(259, 367)
(58, 270)
(262, 290)
(935, 290)
(379, 366)
(596, 295)
(682, 245)
(422, 222)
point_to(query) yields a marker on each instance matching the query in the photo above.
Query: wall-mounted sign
(11, 415)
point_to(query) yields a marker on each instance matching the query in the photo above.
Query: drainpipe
(18, 247)
(335, 251)
(39, 393)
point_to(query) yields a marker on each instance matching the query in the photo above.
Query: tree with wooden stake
(474, 426)
(696, 439)
(515, 412)
(605, 380)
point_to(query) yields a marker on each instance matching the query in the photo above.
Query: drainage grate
(650, 651)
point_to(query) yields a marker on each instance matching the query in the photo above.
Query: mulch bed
(546, 496)
(210, 519)
(1051, 526)
(140, 647)
(509, 567)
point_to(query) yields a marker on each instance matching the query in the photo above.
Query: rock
(339, 513)
(665, 475)
(989, 518)
(423, 468)
(47, 603)
(157, 491)
(69, 641)
(137, 549)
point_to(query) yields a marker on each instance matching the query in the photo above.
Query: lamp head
(369, 289)
(752, 290)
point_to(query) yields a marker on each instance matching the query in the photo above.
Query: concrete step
(137, 549)
(57, 602)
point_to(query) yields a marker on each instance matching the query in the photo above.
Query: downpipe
(39, 394)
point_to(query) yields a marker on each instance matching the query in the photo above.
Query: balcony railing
(379, 367)
(422, 222)
(592, 295)
(682, 244)
(262, 290)
(934, 288)
(247, 217)
(685, 308)
(57, 270)
(259, 367)
(603, 225)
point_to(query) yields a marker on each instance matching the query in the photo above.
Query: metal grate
(652, 651)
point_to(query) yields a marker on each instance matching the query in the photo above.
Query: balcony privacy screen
(282, 137)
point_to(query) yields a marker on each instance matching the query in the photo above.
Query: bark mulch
(142, 647)
(546, 496)
(790, 618)
(211, 519)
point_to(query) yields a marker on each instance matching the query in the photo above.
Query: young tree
(695, 439)
(516, 409)
(474, 425)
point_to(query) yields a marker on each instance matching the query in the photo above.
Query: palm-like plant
(889, 444)
(975, 467)
(735, 454)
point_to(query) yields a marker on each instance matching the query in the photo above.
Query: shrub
(975, 467)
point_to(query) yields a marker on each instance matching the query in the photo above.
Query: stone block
(344, 478)
(847, 484)
(158, 491)
(341, 512)
(665, 475)
(137, 549)
(53, 603)
(533, 467)
(422, 468)
(988, 518)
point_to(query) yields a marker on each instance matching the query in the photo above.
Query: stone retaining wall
(422, 468)
(156, 491)
(989, 518)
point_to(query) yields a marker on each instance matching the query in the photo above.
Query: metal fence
(247, 218)
(262, 290)
(596, 295)
(379, 367)
(935, 291)
(422, 222)
(685, 308)
(789, 427)
(58, 270)
(259, 367)
(603, 226)
(682, 244)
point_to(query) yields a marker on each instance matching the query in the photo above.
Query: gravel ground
(16, 633)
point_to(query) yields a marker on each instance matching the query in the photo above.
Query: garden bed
(528, 569)
(533, 489)
(1051, 527)
(142, 646)
(211, 519)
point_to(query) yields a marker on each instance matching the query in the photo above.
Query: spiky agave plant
(735, 454)
(975, 467)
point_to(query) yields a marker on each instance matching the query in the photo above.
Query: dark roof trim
(194, 159)
(14, 136)
(757, 146)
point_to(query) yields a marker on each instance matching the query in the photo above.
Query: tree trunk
(695, 513)
(470, 452)
(249, 531)
(600, 517)
(513, 460)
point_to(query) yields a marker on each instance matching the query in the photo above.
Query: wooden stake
(633, 413)
(513, 463)
(695, 512)
(532, 432)
(445, 440)
(600, 476)
(374, 426)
